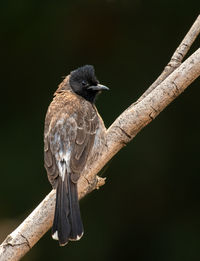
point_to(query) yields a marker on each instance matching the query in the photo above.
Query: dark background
(149, 207)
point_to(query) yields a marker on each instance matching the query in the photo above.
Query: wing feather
(69, 138)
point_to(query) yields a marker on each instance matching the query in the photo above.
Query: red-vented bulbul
(74, 136)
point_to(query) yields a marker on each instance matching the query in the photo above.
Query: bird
(74, 137)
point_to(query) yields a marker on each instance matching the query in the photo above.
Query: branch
(177, 57)
(122, 131)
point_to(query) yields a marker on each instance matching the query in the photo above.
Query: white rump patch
(63, 163)
(63, 146)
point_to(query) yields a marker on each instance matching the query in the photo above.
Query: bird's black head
(84, 83)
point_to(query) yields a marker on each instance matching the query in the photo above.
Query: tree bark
(165, 89)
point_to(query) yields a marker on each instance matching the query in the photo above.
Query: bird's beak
(98, 87)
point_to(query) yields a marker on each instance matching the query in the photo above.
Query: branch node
(176, 87)
(186, 45)
(100, 182)
(27, 242)
(151, 117)
(124, 132)
(154, 109)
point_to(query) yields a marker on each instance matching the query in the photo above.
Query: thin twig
(177, 57)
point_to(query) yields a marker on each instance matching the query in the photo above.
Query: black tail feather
(61, 227)
(67, 223)
(75, 215)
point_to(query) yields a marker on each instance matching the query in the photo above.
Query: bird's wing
(69, 138)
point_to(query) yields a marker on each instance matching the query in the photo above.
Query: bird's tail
(67, 223)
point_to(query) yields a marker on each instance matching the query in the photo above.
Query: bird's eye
(84, 83)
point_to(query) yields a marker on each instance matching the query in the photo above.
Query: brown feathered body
(74, 137)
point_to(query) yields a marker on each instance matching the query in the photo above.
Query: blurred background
(149, 206)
